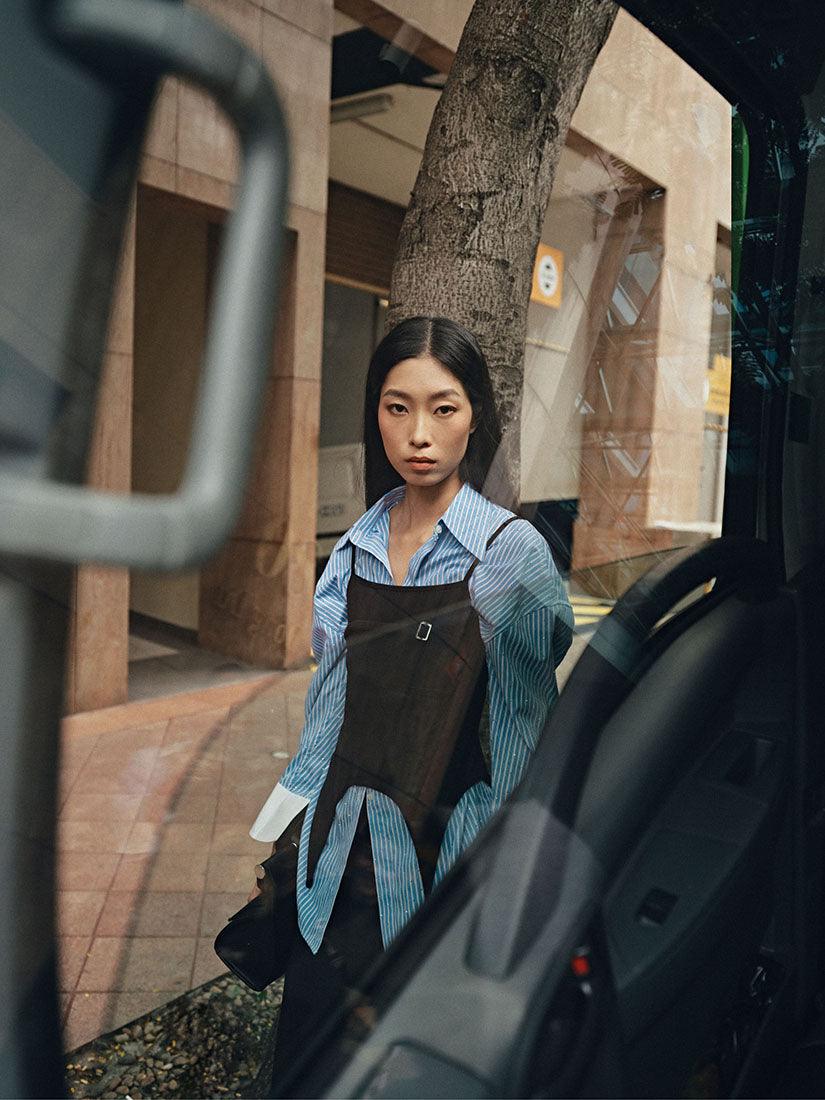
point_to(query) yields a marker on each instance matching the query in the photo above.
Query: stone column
(256, 596)
(98, 658)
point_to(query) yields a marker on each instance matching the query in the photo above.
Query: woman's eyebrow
(433, 396)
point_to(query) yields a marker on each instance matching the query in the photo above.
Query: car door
(77, 82)
(644, 916)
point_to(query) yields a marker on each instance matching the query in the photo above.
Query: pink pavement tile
(198, 778)
(71, 954)
(86, 870)
(86, 1019)
(197, 730)
(218, 908)
(126, 1007)
(230, 874)
(144, 838)
(129, 777)
(154, 963)
(64, 1000)
(245, 775)
(180, 808)
(150, 914)
(92, 836)
(75, 750)
(176, 872)
(65, 781)
(240, 805)
(118, 743)
(232, 838)
(78, 911)
(207, 963)
(155, 836)
(105, 962)
(182, 836)
(103, 807)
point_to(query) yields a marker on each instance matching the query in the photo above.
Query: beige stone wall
(191, 152)
(648, 107)
(97, 661)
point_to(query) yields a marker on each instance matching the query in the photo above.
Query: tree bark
(469, 237)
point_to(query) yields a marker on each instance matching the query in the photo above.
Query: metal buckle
(423, 632)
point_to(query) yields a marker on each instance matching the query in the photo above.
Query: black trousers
(315, 985)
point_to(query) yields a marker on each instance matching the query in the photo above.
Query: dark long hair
(456, 349)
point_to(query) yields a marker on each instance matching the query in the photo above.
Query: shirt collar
(470, 518)
(369, 528)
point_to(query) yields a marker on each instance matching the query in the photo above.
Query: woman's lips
(421, 463)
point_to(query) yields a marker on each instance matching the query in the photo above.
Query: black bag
(257, 941)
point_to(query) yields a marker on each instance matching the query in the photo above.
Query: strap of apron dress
(469, 573)
(490, 542)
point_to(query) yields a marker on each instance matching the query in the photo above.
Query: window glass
(622, 438)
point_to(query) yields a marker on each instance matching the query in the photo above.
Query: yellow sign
(547, 276)
(717, 386)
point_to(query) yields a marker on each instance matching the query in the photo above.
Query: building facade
(620, 443)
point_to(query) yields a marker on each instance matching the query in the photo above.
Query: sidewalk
(156, 802)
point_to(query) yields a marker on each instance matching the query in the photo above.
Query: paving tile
(65, 781)
(86, 1019)
(71, 955)
(194, 730)
(218, 908)
(183, 808)
(78, 910)
(86, 870)
(113, 779)
(232, 838)
(76, 750)
(153, 963)
(92, 836)
(207, 963)
(154, 836)
(105, 963)
(239, 805)
(230, 874)
(176, 872)
(126, 1007)
(106, 807)
(126, 913)
(64, 1001)
(120, 742)
(144, 838)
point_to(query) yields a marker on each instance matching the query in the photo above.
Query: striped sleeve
(521, 660)
(526, 623)
(324, 706)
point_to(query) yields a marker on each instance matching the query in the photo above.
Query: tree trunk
(469, 237)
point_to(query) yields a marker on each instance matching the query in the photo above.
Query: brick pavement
(156, 800)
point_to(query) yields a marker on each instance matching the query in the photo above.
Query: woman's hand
(260, 873)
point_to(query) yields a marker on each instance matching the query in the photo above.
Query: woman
(435, 598)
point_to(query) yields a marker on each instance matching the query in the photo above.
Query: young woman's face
(425, 419)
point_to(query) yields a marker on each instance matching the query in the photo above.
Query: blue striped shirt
(526, 626)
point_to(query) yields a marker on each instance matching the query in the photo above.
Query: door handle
(70, 523)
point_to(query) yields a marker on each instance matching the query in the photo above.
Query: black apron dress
(416, 686)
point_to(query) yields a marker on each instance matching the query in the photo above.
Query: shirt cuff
(277, 812)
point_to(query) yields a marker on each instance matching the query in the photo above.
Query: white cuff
(277, 812)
